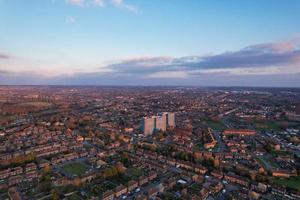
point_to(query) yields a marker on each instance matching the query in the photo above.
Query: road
(218, 137)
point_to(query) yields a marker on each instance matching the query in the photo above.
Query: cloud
(4, 56)
(76, 2)
(70, 20)
(86, 3)
(268, 62)
(262, 55)
(268, 58)
(3, 72)
(101, 3)
(122, 5)
(169, 74)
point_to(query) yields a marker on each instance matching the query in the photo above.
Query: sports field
(293, 182)
(76, 168)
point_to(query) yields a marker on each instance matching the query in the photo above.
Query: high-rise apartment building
(159, 122)
(171, 120)
(148, 125)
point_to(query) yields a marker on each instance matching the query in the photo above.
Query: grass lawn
(134, 172)
(293, 182)
(215, 125)
(281, 153)
(195, 187)
(268, 163)
(74, 197)
(96, 189)
(199, 146)
(76, 168)
(274, 125)
(121, 179)
(272, 162)
(266, 126)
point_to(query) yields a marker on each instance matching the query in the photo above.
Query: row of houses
(131, 186)
(13, 176)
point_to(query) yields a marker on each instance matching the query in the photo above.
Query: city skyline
(129, 42)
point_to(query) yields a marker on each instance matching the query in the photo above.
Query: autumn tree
(120, 168)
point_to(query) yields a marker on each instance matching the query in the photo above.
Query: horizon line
(174, 86)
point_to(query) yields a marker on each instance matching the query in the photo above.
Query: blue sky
(157, 42)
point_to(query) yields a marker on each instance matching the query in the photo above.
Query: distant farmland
(39, 104)
(25, 107)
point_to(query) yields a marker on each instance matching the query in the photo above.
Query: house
(233, 178)
(30, 167)
(132, 185)
(152, 191)
(200, 169)
(108, 195)
(5, 173)
(217, 174)
(31, 175)
(141, 197)
(120, 190)
(100, 163)
(142, 180)
(171, 182)
(13, 180)
(197, 178)
(152, 175)
(16, 171)
(204, 193)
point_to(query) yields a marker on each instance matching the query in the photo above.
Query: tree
(47, 169)
(114, 171)
(54, 195)
(45, 184)
(125, 158)
(268, 147)
(77, 182)
(108, 173)
(120, 168)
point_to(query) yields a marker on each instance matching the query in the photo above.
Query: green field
(274, 125)
(37, 104)
(291, 182)
(195, 188)
(266, 126)
(281, 153)
(76, 168)
(215, 125)
(74, 197)
(134, 172)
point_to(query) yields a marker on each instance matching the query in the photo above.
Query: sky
(150, 42)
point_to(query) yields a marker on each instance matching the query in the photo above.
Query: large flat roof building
(239, 132)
